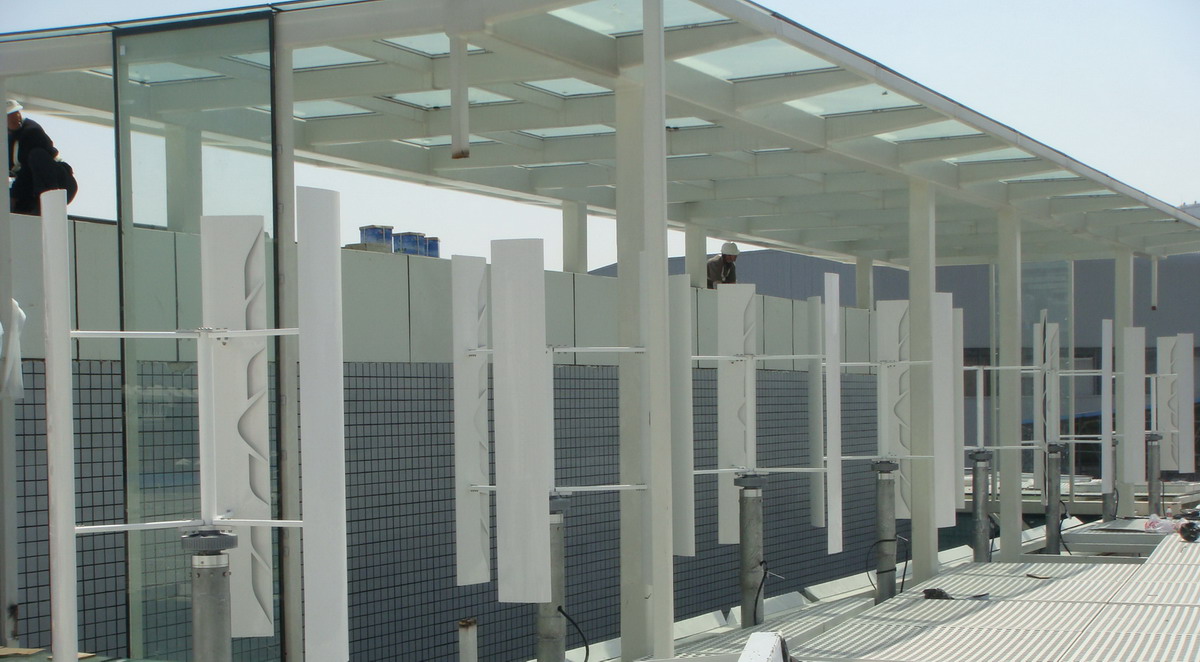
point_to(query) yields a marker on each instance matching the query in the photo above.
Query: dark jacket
(32, 164)
(720, 271)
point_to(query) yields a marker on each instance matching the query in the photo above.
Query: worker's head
(730, 251)
(14, 115)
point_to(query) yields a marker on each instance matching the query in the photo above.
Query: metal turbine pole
(885, 529)
(551, 624)
(1108, 506)
(754, 571)
(1054, 453)
(980, 495)
(1154, 504)
(212, 633)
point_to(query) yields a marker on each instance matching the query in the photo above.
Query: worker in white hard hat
(33, 164)
(721, 268)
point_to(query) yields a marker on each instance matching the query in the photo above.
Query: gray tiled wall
(404, 604)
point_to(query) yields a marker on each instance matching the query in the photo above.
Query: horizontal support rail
(181, 334)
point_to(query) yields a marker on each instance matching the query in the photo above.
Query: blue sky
(1112, 83)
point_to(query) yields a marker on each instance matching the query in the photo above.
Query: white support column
(287, 348)
(635, 642)
(683, 478)
(60, 426)
(185, 179)
(575, 237)
(1008, 275)
(323, 446)
(460, 130)
(9, 594)
(1122, 319)
(864, 282)
(815, 345)
(656, 337)
(695, 258)
(921, 265)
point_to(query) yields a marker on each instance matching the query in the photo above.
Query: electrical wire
(758, 594)
(587, 649)
(1066, 516)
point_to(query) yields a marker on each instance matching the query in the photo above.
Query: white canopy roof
(777, 136)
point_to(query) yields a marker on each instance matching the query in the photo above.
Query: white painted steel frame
(892, 401)
(472, 516)
(233, 293)
(1131, 409)
(947, 405)
(833, 414)
(323, 444)
(9, 578)
(815, 333)
(524, 414)
(1175, 402)
(737, 427)
(1008, 321)
(683, 455)
(1107, 458)
(922, 257)
(60, 428)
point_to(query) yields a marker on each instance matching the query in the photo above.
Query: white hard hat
(729, 248)
(13, 107)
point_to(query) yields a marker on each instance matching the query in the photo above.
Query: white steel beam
(683, 456)
(832, 334)
(921, 286)
(1122, 319)
(815, 345)
(9, 587)
(1008, 275)
(1131, 412)
(323, 444)
(1107, 459)
(472, 512)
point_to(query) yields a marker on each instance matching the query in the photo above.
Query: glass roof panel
(1004, 154)
(688, 123)
(613, 17)
(557, 164)
(309, 110)
(854, 100)
(432, 99)
(442, 141)
(1045, 177)
(571, 131)
(152, 73)
(760, 58)
(947, 129)
(432, 45)
(568, 87)
(309, 58)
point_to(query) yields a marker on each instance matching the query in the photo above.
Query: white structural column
(921, 269)
(695, 260)
(287, 347)
(1122, 320)
(185, 178)
(634, 634)
(656, 337)
(1008, 275)
(864, 282)
(60, 428)
(683, 462)
(323, 444)
(9, 594)
(575, 237)
(460, 131)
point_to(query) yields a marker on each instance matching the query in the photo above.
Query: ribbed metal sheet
(1159, 593)
(861, 641)
(794, 626)
(1168, 572)
(1130, 647)
(1175, 550)
(1146, 619)
(979, 645)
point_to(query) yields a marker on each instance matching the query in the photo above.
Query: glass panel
(947, 129)
(190, 144)
(614, 17)
(443, 140)
(568, 87)
(768, 57)
(432, 99)
(314, 57)
(1005, 154)
(571, 131)
(309, 110)
(1045, 177)
(688, 123)
(432, 45)
(854, 100)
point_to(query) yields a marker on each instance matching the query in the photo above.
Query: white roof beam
(681, 43)
(554, 38)
(789, 87)
(859, 125)
(979, 171)
(1048, 188)
(936, 149)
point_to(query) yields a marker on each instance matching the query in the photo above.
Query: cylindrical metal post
(551, 624)
(754, 570)
(980, 495)
(1154, 504)
(885, 529)
(1108, 504)
(212, 630)
(468, 640)
(1054, 453)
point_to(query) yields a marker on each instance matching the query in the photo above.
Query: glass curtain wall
(194, 138)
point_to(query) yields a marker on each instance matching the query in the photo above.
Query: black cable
(907, 558)
(1066, 515)
(587, 650)
(757, 594)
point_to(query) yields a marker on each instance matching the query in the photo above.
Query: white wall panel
(810, 335)
(472, 321)
(234, 294)
(857, 345)
(737, 334)
(97, 290)
(375, 294)
(1107, 467)
(1185, 390)
(152, 282)
(947, 462)
(187, 283)
(960, 432)
(893, 406)
(833, 414)
(683, 447)
(1175, 401)
(429, 312)
(27, 281)
(595, 306)
(777, 336)
(1131, 410)
(524, 421)
(706, 326)
(560, 313)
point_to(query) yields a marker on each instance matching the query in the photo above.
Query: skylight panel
(311, 110)
(677, 123)
(442, 141)
(433, 99)
(571, 131)
(1044, 177)
(614, 17)
(153, 73)
(768, 57)
(1005, 154)
(313, 57)
(947, 129)
(429, 45)
(568, 87)
(854, 100)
